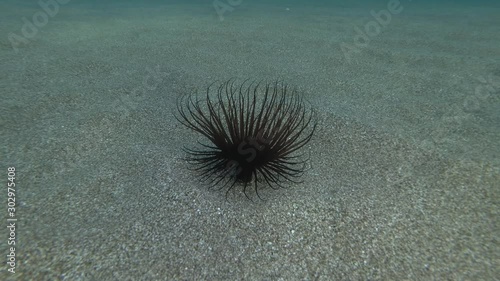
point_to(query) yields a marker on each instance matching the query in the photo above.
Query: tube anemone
(253, 133)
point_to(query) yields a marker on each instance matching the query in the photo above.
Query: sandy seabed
(404, 177)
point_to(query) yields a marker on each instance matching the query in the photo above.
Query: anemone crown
(253, 131)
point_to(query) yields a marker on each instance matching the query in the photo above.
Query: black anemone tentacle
(253, 132)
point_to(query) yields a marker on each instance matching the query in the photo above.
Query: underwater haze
(403, 174)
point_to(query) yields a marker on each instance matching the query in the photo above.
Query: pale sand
(405, 170)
